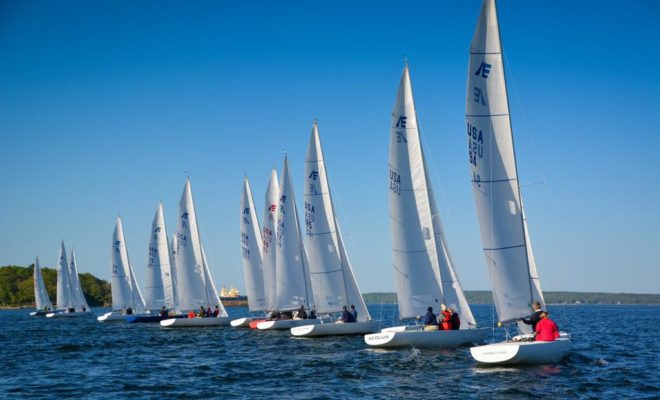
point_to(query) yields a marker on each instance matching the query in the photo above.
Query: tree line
(486, 297)
(17, 287)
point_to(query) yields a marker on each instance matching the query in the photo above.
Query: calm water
(615, 354)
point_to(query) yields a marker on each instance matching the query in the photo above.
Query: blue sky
(106, 106)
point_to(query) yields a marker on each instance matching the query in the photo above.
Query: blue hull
(149, 318)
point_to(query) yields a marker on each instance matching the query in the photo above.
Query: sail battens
(411, 251)
(326, 272)
(486, 115)
(321, 233)
(495, 180)
(485, 53)
(504, 248)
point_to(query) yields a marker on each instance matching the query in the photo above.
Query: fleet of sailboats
(70, 299)
(287, 268)
(496, 189)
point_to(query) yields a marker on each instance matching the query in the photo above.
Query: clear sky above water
(106, 107)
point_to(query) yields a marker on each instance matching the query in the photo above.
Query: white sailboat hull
(332, 329)
(60, 314)
(285, 324)
(419, 338)
(194, 322)
(242, 322)
(111, 316)
(38, 313)
(522, 353)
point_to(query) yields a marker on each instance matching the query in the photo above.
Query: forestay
(494, 173)
(331, 276)
(291, 265)
(41, 299)
(268, 236)
(251, 243)
(125, 292)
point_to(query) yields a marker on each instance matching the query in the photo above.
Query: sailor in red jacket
(546, 329)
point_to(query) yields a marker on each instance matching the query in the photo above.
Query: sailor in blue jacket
(429, 318)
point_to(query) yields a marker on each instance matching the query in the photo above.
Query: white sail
(251, 243)
(41, 299)
(292, 287)
(211, 291)
(451, 287)
(269, 234)
(420, 258)
(80, 303)
(158, 285)
(64, 298)
(333, 283)
(537, 294)
(125, 292)
(193, 290)
(494, 173)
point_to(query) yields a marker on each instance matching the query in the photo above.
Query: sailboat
(496, 188)
(160, 284)
(126, 296)
(41, 299)
(251, 251)
(268, 236)
(195, 287)
(424, 271)
(331, 275)
(293, 287)
(70, 299)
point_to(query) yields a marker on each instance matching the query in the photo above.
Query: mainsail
(41, 298)
(424, 271)
(158, 288)
(292, 275)
(64, 297)
(251, 243)
(268, 236)
(194, 284)
(494, 173)
(125, 292)
(330, 272)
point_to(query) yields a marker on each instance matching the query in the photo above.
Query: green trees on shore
(17, 287)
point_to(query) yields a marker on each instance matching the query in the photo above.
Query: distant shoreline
(480, 297)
